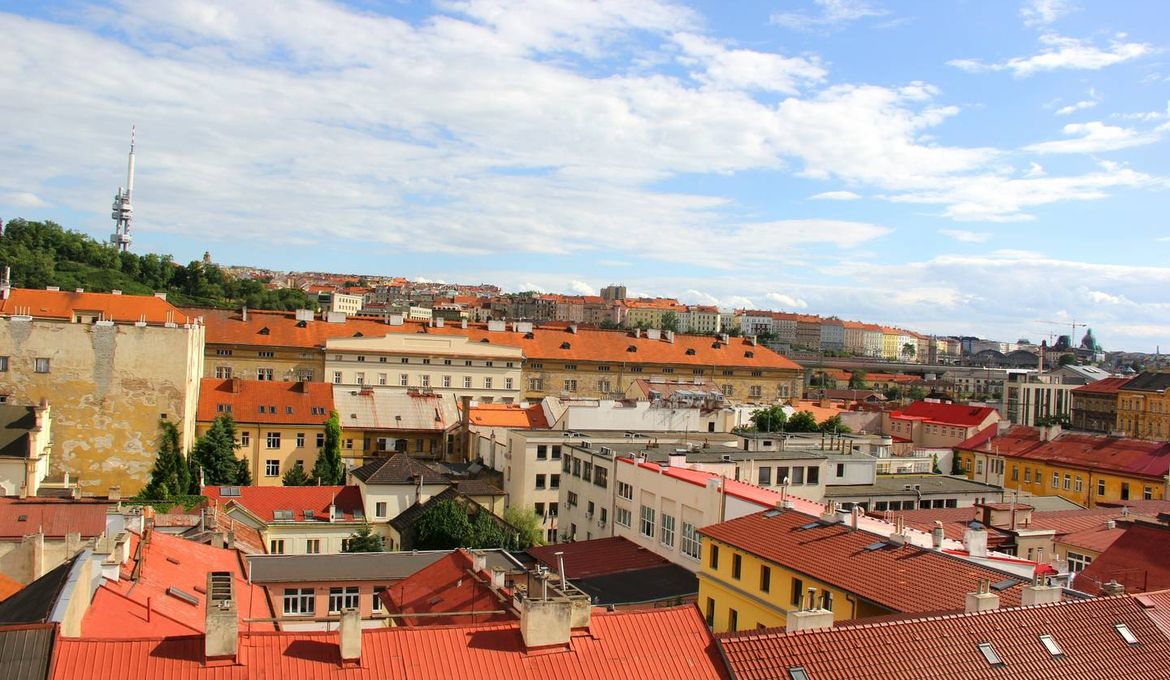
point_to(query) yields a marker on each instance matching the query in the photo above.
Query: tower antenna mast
(123, 212)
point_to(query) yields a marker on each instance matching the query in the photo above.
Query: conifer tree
(328, 471)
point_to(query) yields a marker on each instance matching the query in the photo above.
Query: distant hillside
(45, 254)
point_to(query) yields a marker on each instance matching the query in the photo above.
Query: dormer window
(264, 331)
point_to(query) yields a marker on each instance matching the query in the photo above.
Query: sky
(956, 167)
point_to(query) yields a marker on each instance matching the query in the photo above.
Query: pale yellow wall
(772, 384)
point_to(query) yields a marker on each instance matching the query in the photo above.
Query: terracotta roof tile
(264, 501)
(1105, 386)
(25, 517)
(1136, 457)
(947, 414)
(891, 577)
(1137, 560)
(948, 646)
(448, 585)
(398, 469)
(265, 401)
(512, 416)
(51, 304)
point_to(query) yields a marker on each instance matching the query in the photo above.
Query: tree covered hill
(45, 254)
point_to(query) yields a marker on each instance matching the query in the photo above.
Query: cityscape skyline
(960, 181)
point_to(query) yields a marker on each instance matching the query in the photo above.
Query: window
(1050, 644)
(571, 500)
(989, 653)
(313, 546)
(320, 440)
(1148, 493)
(798, 475)
(556, 451)
(343, 598)
(245, 438)
(1125, 491)
(827, 600)
(299, 602)
(1067, 481)
(337, 377)
(221, 372)
(540, 481)
(426, 361)
(979, 467)
(276, 546)
(603, 517)
(814, 475)
(426, 381)
(487, 383)
(265, 354)
(1055, 479)
(535, 384)
(1027, 475)
(1100, 487)
(570, 385)
(797, 673)
(765, 578)
(690, 541)
(1125, 633)
(587, 471)
(647, 524)
(667, 536)
(576, 467)
(570, 367)
(599, 476)
(732, 620)
(381, 378)
(376, 603)
(840, 470)
(714, 557)
(765, 476)
(446, 381)
(1015, 473)
(622, 517)
(404, 360)
(403, 379)
(755, 391)
(736, 565)
(797, 592)
(264, 374)
(727, 390)
(223, 352)
(710, 611)
(603, 386)
(554, 481)
(541, 452)
(539, 509)
(552, 510)
(41, 365)
(467, 382)
(271, 468)
(536, 365)
(380, 509)
(625, 491)
(273, 440)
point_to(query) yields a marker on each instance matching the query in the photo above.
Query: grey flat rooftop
(602, 436)
(356, 566)
(715, 456)
(892, 485)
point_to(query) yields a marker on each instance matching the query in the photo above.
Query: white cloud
(835, 196)
(582, 288)
(23, 199)
(719, 66)
(830, 14)
(1081, 105)
(786, 301)
(1061, 53)
(965, 236)
(1043, 12)
(1094, 137)
(1105, 298)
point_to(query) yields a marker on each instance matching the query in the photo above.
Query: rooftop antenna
(122, 212)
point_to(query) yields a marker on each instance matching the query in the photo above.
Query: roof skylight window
(1050, 644)
(989, 653)
(798, 673)
(1125, 633)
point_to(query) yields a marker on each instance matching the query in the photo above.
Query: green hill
(45, 254)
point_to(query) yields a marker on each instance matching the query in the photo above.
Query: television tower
(123, 212)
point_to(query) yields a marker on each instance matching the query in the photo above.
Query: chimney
(855, 517)
(982, 600)
(114, 493)
(808, 618)
(1039, 592)
(478, 561)
(244, 313)
(1112, 588)
(463, 323)
(351, 636)
(497, 578)
(830, 513)
(975, 540)
(222, 623)
(936, 535)
(668, 336)
(546, 622)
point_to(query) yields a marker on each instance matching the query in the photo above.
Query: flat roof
(892, 485)
(716, 455)
(356, 566)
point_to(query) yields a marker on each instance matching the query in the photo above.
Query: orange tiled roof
(1137, 560)
(8, 587)
(512, 416)
(281, 329)
(446, 586)
(53, 304)
(265, 401)
(264, 501)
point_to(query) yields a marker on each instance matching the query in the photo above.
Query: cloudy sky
(955, 167)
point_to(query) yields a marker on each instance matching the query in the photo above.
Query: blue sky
(953, 167)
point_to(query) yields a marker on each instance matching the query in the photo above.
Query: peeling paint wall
(108, 385)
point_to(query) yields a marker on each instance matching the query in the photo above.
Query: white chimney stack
(351, 635)
(982, 600)
(222, 623)
(1040, 593)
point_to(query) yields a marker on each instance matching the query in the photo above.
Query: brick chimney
(982, 600)
(351, 636)
(222, 623)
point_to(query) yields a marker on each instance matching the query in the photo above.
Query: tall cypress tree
(328, 471)
(215, 454)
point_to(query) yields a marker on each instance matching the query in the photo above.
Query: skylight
(989, 654)
(1125, 633)
(1050, 644)
(798, 673)
(1005, 584)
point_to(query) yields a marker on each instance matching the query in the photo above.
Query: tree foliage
(447, 525)
(770, 419)
(45, 254)
(909, 350)
(296, 476)
(858, 380)
(215, 455)
(170, 475)
(527, 523)
(363, 540)
(328, 470)
(670, 321)
(834, 424)
(802, 421)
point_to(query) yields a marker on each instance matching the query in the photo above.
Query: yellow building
(1143, 407)
(758, 568)
(280, 425)
(1083, 468)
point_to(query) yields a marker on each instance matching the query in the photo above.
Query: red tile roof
(55, 519)
(598, 557)
(946, 414)
(1137, 560)
(1136, 457)
(512, 416)
(663, 643)
(1105, 386)
(1096, 539)
(281, 329)
(948, 646)
(51, 304)
(265, 401)
(448, 585)
(264, 501)
(141, 602)
(894, 578)
(8, 586)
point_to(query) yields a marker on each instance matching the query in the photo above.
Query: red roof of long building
(1136, 560)
(946, 414)
(901, 579)
(265, 401)
(264, 501)
(948, 646)
(598, 557)
(663, 643)
(59, 304)
(1134, 457)
(512, 416)
(446, 586)
(1105, 386)
(26, 517)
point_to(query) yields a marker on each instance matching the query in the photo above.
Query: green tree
(824, 380)
(485, 532)
(934, 468)
(803, 421)
(215, 455)
(956, 465)
(328, 471)
(858, 380)
(909, 350)
(364, 540)
(834, 424)
(296, 476)
(670, 321)
(770, 419)
(527, 523)
(169, 476)
(1067, 360)
(444, 526)
(916, 393)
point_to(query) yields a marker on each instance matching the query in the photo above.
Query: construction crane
(1072, 338)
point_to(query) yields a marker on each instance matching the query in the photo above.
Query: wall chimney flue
(982, 600)
(222, 623)
(351, 636)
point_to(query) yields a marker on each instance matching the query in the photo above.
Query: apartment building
(377, 422)
(1143, 407)
(1094, 406)
(936, 425)
(26, 441)
(294, 520)
(109, 363)
(1032, 398)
